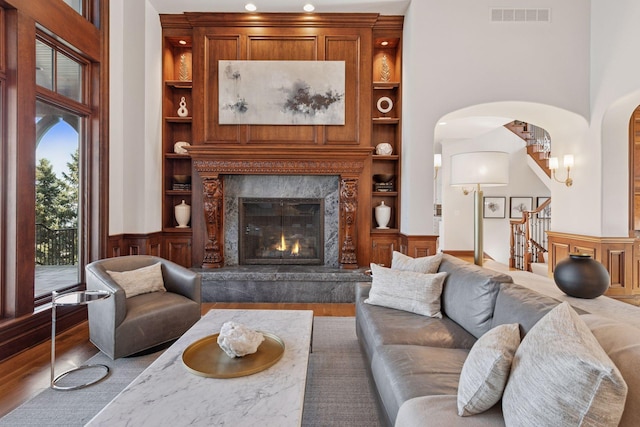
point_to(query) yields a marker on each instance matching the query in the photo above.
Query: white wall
(615, 93)
(135, 182)
(458, 209)
(454, 58)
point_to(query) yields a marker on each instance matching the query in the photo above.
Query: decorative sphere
(581, 276)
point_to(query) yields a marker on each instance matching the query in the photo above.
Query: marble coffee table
(167, 394)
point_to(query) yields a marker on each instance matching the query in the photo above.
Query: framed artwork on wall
(494, 207)
(517, 205)
(281, 92)
(546, 212)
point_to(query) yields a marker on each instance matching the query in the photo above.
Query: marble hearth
(280, 283)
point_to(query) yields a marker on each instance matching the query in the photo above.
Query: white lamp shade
(553, 163)
(437, 160)
(567, 161)
(487, 168)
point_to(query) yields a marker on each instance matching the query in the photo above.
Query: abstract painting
(281, 92)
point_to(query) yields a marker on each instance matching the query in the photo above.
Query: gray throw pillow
(406, 290)
(486, 369)
(561, 376)
(427, 264)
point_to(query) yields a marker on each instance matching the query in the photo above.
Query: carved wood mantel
(211, 162)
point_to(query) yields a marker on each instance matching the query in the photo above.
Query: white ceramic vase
(183, 214)
(383, 215)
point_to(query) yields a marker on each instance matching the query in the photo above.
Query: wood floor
(28, 373)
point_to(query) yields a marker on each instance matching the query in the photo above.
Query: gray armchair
(121, 326)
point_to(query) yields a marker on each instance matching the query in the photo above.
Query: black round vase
(581, 276)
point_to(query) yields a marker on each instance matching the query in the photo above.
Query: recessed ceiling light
(183, 42)
(250, 7)
(442, 123)
(309, 7)
(384, 43)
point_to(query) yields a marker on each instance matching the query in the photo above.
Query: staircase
(538, 142)
(528, 239)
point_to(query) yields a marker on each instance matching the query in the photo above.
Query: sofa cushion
(427, 264)
(469, 294)
(485, 372)
(402, 372)
(517, 304)
(561, 376)
(405, 290)
(377, 326)
(620, 342)
(139, 281)
(437, 411)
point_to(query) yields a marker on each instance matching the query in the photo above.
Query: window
(58, 138)
(60, 141)
(76, 5)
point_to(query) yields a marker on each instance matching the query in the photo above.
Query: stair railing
(528, 237)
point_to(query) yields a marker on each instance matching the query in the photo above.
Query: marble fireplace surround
(281, 186)
(213, 164)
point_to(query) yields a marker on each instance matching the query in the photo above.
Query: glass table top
(80, 297)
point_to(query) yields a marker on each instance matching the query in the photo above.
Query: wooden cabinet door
(178, 250)
(382, 250)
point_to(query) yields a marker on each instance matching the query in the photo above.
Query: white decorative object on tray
(182, 111)
(384, 149)
(178, 147)
(237, 340)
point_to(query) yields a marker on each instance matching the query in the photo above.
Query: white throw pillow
(140, 281)
(406, 290)
(561, 376)
(427, 264)
(486, 369)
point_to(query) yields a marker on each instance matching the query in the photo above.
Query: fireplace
(281, 231)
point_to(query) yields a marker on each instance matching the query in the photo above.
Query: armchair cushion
(140, 281)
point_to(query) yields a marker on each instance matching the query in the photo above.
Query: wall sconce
(437, 164)
(567, 163)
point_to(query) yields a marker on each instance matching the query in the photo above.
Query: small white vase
(182, 111)
(183, 214)
(383, 215)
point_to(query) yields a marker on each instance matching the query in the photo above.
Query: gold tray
(205, 358)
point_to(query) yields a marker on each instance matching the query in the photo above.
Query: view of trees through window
(57, 198)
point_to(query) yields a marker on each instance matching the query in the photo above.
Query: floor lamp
(480, 168)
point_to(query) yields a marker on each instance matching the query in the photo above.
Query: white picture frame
(517, 205)
(494, 207)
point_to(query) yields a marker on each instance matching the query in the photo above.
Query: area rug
(338, 391)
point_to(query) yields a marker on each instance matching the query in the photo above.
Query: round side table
(73, 299)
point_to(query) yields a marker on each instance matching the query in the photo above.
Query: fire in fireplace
(281, 231)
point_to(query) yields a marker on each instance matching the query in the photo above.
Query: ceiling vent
(520, 15)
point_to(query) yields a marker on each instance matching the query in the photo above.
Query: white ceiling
(384, 7)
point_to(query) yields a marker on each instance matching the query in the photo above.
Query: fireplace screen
(281, 231)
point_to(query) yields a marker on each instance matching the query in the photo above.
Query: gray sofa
(415, 361)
